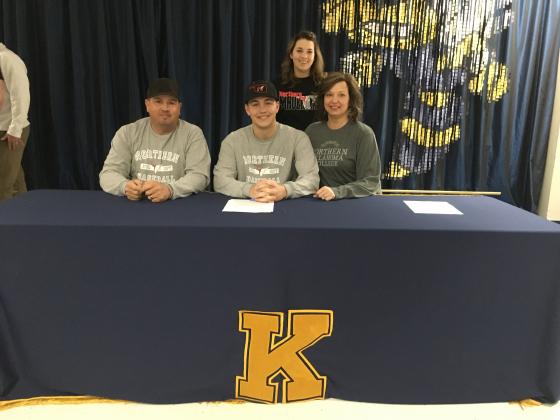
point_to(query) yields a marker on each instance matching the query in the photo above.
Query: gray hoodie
(287, 158)
(179, 159)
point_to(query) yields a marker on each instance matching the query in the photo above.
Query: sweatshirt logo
(160, 155)
(153, 171)
(156, 168)
(297, 101)
(256, 170)
(330, 154)
(264, 171)
(260, 159)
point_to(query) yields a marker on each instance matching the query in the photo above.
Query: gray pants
(12, 178)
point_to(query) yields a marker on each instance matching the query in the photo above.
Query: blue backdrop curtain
(90, 62)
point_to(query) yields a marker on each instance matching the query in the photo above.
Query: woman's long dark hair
(317, 70)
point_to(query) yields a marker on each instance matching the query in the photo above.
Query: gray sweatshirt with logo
(287, 158)
(179, 159)
(348, 158)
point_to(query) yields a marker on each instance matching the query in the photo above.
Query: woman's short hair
(317, 70)
(356, 102)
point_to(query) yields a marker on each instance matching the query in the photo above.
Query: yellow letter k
(265, 359)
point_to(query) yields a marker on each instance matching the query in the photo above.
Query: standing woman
(302, 72)
(346, 149)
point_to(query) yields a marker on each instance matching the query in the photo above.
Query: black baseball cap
(163, 86)
(261, 89)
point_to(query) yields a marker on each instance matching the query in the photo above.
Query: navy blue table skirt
(140, 301)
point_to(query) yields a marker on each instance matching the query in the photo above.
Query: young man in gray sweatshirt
(160, 157)
(266, 160)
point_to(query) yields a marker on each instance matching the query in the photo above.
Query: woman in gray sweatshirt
(346, 149)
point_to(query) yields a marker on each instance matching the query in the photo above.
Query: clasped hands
(155, 191)
(268, 191)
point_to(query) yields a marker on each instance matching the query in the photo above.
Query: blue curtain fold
(521, 125)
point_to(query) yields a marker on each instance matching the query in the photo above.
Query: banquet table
(141, 301)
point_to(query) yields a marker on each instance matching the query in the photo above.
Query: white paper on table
(431, 207)
(248, 206)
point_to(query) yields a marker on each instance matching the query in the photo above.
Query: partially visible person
(160, 157)
(14, 126)
(302, 71)
(346, 148)
(266, 160)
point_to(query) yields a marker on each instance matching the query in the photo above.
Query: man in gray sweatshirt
(160, 157)
(266, 160)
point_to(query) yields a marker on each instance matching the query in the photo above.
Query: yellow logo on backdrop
(265, 358)
(439, 50)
